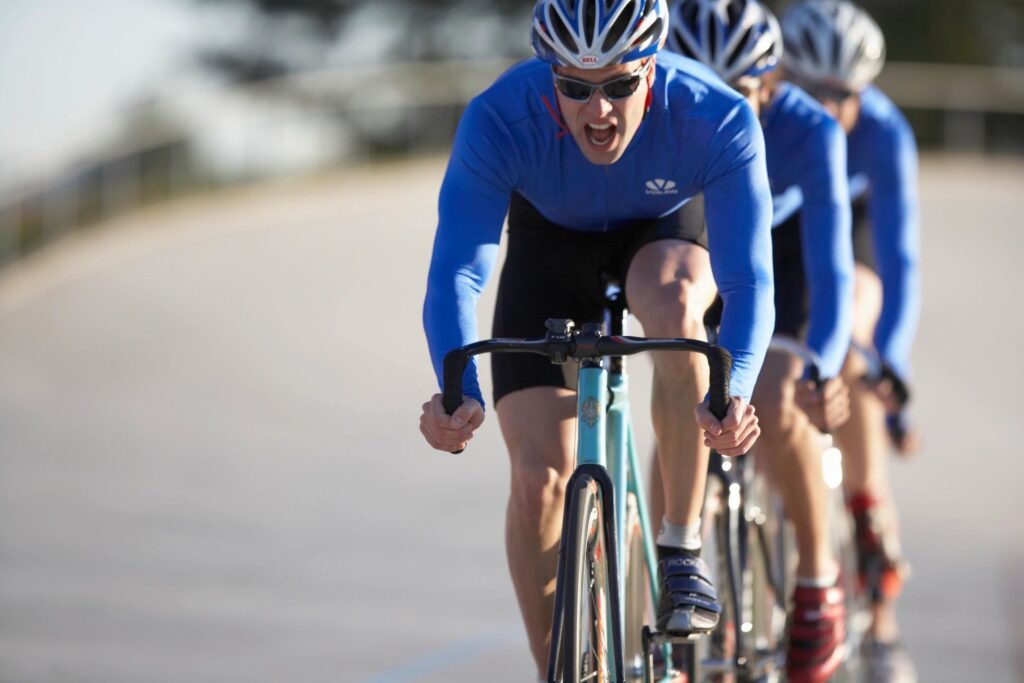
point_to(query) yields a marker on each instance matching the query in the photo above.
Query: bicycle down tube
(606, 452)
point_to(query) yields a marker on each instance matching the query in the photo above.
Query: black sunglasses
(615, 89)
(824, 93)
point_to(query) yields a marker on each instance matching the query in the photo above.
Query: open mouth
(600, 134)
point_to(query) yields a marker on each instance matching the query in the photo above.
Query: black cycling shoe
(688, 604)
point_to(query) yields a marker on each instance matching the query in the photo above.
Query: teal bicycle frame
(606, 452)
(612, 434)
(606, 438)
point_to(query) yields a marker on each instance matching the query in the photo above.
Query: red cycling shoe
(817, 634)
(881, 571)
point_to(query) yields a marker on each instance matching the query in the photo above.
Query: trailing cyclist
(882, 167)
(813, 263)
(598, 150)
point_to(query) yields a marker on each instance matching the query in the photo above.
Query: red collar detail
(563, 129)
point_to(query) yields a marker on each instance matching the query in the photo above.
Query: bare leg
(863, 436)
(863, 439)
(538, 425)
(668, 288)
(792, 458)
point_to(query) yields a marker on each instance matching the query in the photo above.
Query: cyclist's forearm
(459, 269)
(748, 314)
(901, 303)
(894, 222)
(449, 321)
(896, 240)
(746, 285)
(471, 212)
(738, 207)
(828, 262)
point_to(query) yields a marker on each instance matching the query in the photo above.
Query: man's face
(604, 127)
(845, 110)
(750, 88)
(842, 105)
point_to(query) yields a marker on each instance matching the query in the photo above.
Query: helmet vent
(690, 10)
(589, 20)
(619, 28)
(712, 38)
(734, 10)
(741, 45)
(654, 30)
(682, 46)
(561, 30)
(808, 44)
(862, 49)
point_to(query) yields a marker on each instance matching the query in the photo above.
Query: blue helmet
(734, 37)
(590, 34)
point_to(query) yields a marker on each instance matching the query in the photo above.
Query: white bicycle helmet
(734, 37)
(832, 43)
(590, 34)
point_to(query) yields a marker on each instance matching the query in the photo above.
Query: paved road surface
(210, 468)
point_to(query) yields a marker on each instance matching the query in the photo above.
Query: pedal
(662, 638)
(653, 639)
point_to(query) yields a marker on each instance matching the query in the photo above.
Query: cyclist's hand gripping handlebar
(569, 344)
(720, 365)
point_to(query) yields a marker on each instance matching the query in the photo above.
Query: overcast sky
(67, 67)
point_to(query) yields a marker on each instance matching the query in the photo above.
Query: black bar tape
(454, 367)
(720, 364)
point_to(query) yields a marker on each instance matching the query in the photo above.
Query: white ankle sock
(685, 536)
(823, 581)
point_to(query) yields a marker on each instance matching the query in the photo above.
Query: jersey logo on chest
(660, 186)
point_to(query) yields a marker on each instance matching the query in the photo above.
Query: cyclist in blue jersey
(597, 151)
(835, 50)
(813, 260)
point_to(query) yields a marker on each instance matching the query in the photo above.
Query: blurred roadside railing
(966, 97)
(309, 121)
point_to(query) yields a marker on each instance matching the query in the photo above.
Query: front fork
(606, 497)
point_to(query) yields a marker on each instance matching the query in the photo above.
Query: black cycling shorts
(792, 300)
(554, 272)
(863, 241)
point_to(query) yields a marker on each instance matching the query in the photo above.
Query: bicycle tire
(746, 647)
(720, 645)
(639, 610)
(587, 623)
(769, 541)
(858, 605)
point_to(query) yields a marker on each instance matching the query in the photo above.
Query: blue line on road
(446, 657)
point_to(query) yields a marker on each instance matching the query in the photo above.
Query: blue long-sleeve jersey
(882, 162)
(697, 136)
(807, 172)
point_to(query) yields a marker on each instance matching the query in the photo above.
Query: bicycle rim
(588, 620)
(638, 609)
(721, 643)
(858, 607)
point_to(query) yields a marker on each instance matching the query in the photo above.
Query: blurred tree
(946, 31)
(290, 35)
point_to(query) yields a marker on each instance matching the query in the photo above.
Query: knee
(782, 422)
(673, 309)
(855, 369)
(537, 487)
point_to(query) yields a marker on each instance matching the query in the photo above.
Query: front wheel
(639, 609)
(588, 622)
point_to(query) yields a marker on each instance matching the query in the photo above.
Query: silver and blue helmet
(832, 43)
(591, 34)
(734, 37)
